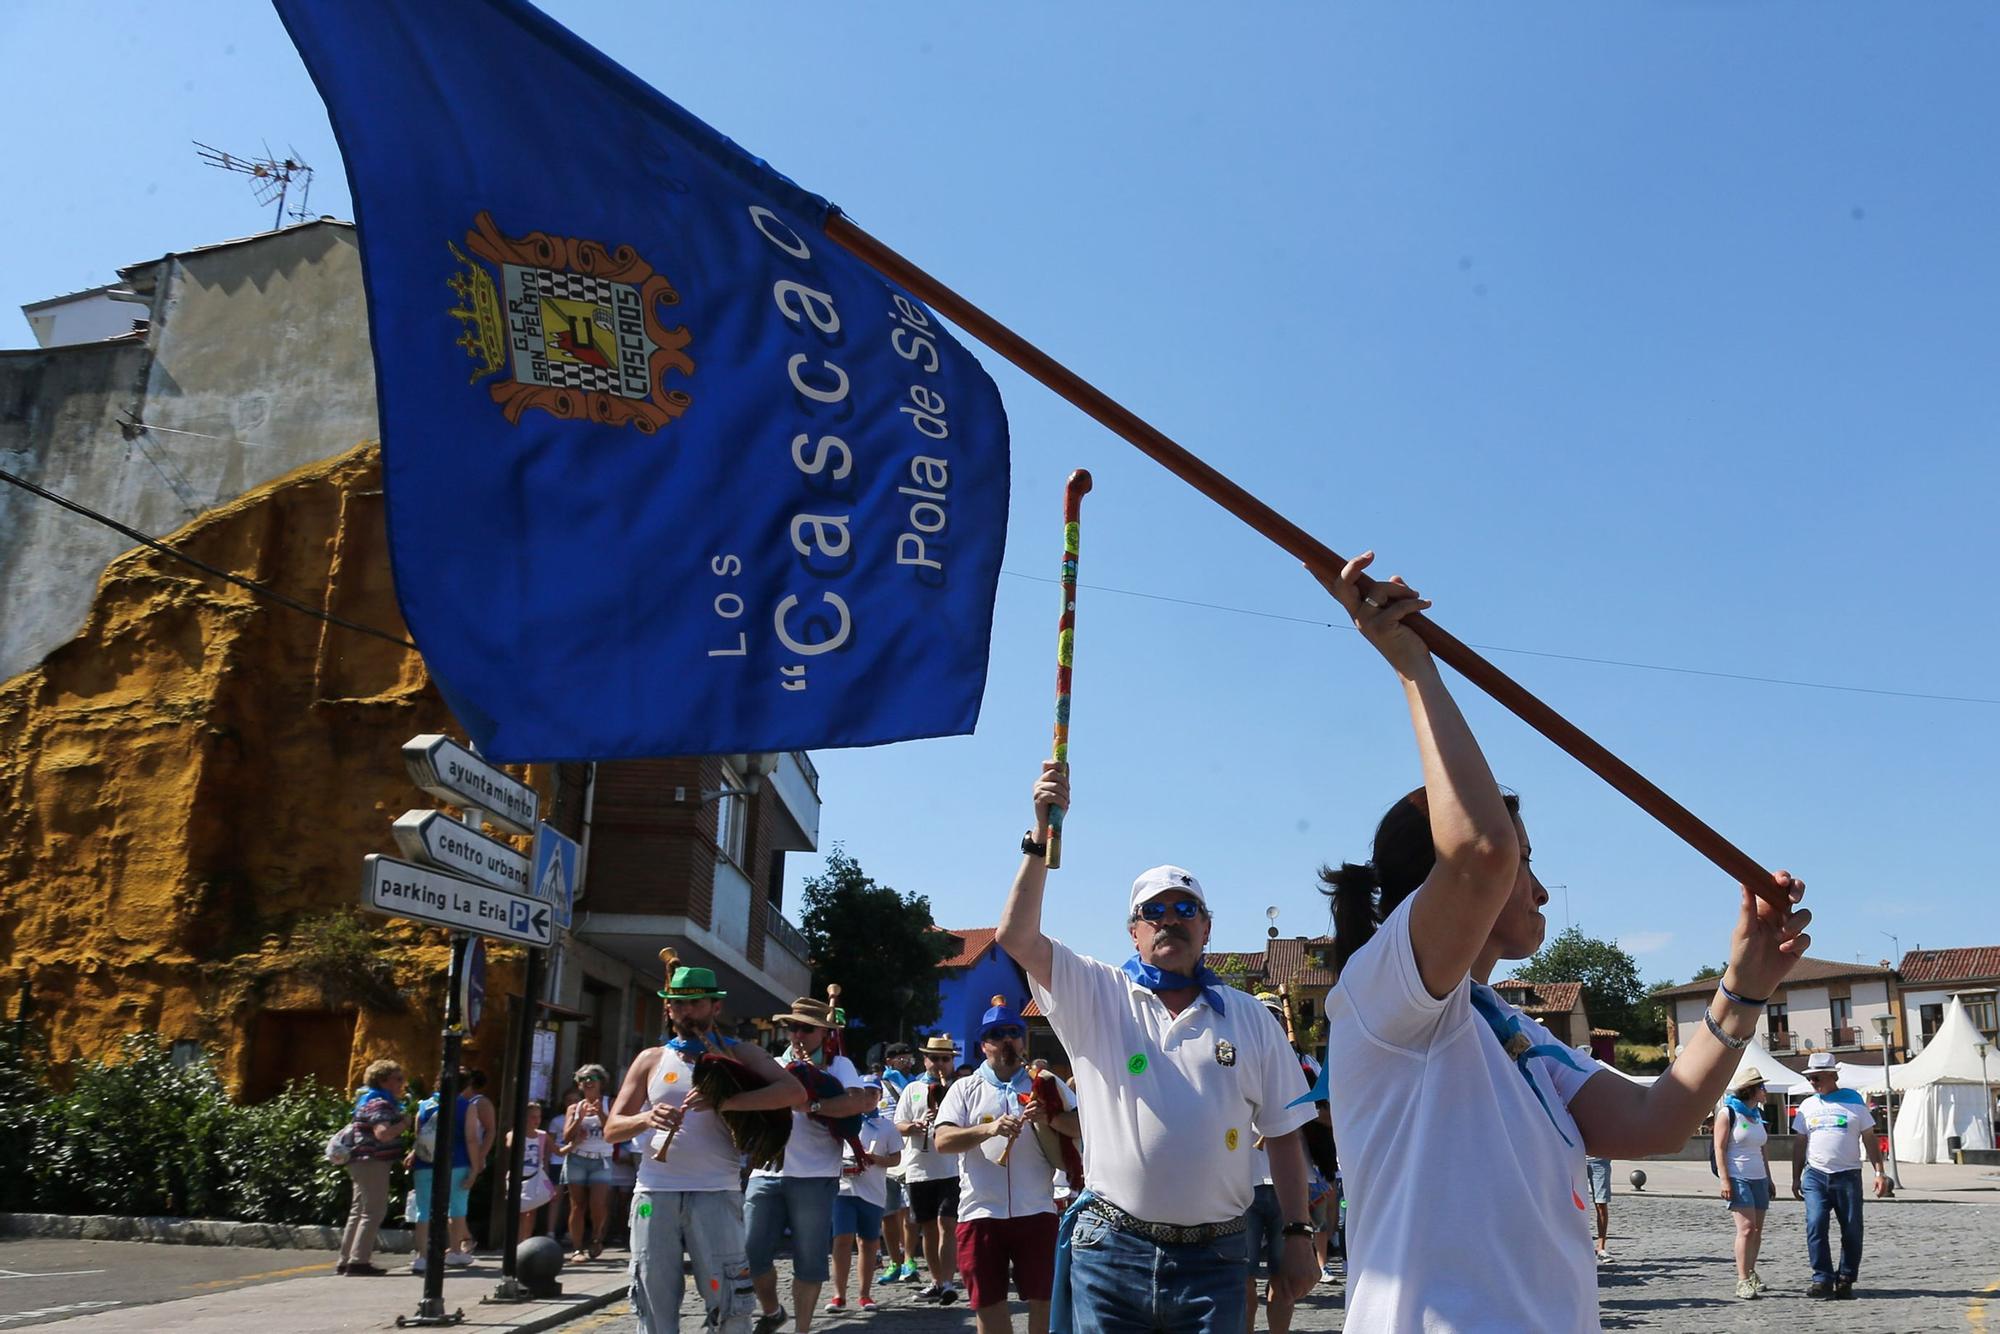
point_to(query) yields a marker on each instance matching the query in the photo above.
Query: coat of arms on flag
(578, 327)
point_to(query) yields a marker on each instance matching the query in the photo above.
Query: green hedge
(139, 1134)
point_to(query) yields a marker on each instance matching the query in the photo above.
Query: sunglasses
(1002, 1034)
(1185, 909)
(800, 1028)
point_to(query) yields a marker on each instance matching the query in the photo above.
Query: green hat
(688, 983)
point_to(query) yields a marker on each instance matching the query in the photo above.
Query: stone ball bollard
(1638, 1178)
(537, 1261)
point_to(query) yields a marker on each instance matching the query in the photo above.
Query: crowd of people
(1179, 1163)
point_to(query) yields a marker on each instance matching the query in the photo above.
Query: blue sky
(1659, 333)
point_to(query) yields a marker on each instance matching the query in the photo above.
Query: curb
(191, 1232)
(1872, 1200)
(596, 1301)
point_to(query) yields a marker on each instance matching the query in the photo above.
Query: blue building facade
(971, 979)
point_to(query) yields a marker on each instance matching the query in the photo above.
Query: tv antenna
(270, 178)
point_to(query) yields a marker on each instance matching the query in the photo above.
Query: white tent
(1941, 1091)
(1779, 1080)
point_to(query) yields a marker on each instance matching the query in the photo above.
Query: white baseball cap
(1822, 1063)
(1160, 880)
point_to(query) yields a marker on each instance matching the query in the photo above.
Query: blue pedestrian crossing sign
(556, 859)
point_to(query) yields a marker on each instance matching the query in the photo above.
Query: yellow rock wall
(187, 789)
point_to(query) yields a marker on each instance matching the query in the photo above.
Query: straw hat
(939, 1044)
(819, 1013)
(1747, 1082)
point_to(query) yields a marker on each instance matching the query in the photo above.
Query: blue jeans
(806, 1203)
(1839, 1192)
(1123, 1284)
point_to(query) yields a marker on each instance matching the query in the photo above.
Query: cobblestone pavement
(1927, 1267)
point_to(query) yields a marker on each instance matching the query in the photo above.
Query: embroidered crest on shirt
(1225, 1052)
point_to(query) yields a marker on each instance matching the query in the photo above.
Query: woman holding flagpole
(1477, 1229)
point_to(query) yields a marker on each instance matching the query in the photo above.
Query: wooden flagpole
(1732, 860)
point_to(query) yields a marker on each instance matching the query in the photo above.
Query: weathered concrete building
(190, 774)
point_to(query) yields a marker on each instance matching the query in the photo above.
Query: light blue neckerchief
(1848, 1096)
(1157, 980)
(1506, 1025)
(985, 1073)
(1743, 1109)
(692, 1050)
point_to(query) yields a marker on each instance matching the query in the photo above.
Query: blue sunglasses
(1185, 909)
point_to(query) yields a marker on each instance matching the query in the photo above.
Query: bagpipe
(759, 1135)
(821, 1086)
(1058, 1148)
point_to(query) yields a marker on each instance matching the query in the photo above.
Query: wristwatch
(1032, 848)
(1300, 1230)
(812, 1108)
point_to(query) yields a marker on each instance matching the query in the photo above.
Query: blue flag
(668, 471)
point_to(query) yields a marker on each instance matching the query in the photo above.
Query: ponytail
(1402, 858)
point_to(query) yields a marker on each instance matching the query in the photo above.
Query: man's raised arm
(1020, 931)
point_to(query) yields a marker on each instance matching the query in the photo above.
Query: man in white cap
(1830, 1131)
(1176, 1076)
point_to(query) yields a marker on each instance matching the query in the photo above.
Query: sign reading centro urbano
(450, 772)
(434, 838)
(404, 889)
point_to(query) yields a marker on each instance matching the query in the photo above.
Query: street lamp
(1992, 1142)
(1883, 1023)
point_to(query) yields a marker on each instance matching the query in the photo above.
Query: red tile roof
(1806, 970)
(1927, 967)
(977, 940)
(1547, 997)
(1031, 1010)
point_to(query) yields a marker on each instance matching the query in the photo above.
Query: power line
(1529, 652)
(261, 590)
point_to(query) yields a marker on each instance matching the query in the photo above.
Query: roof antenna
(270, 178)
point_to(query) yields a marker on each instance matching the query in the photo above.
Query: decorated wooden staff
(1073, 494)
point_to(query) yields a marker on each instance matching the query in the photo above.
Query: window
(1842, 1010)
(1979, 1008)
(1929, 1019)
(732, 817)
(1778, 1019)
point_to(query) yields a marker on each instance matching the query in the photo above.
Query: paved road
(43, 1279)
(1927, 1267)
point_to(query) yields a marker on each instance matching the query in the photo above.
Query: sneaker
(457, 1259)
(417, 1265)
(1745, 1289)
(362, 1269)
(1602, 1255)
(1820, 1290)
(1843, 1288)
(836, 1304)
(1758, 1279)
(889, 1275)
(928, 1293)
(948, 1294)
(908, 1273)
(768, 1322)
(867, 1303)
(1326, 1274)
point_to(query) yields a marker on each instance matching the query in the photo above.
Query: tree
(1707, 970)
(1612, 991)
(879, 945)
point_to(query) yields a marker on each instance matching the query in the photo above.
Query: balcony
(1779, 1040)
(1843, 1037)
(780, 932)
(795, 783)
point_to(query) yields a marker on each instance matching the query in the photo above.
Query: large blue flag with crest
(668, 471)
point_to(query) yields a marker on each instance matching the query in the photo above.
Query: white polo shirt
(812, 1151)
(1026, 1185)
(1170, 1103)
(921, 1164)
(880, 1137)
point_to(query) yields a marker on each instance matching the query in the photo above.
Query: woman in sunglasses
(1462, 1123)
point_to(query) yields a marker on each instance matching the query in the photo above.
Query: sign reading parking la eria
(450, 772)
(403, 889)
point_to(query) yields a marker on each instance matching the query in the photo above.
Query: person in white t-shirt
(862, 1204)
(1176, 1075)
(1006, 1202)
(1462, 1123)
(1830, 1131)
(932, 1177)
(693, 1202)
(1741, 1162)
(800, 1191)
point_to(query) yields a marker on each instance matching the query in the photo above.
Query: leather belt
(1163, 1234)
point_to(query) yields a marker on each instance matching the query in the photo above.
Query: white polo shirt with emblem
(920, 1162)
(1170, 1104)
(1026, 1185)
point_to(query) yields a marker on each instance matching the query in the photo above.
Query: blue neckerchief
(985, 1073)
(1323, 1090)
(1153, 979)
(1506, 1025)
(1848, 1096)
(692, 1049)
(1743, 1109)
(1062, 1313)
